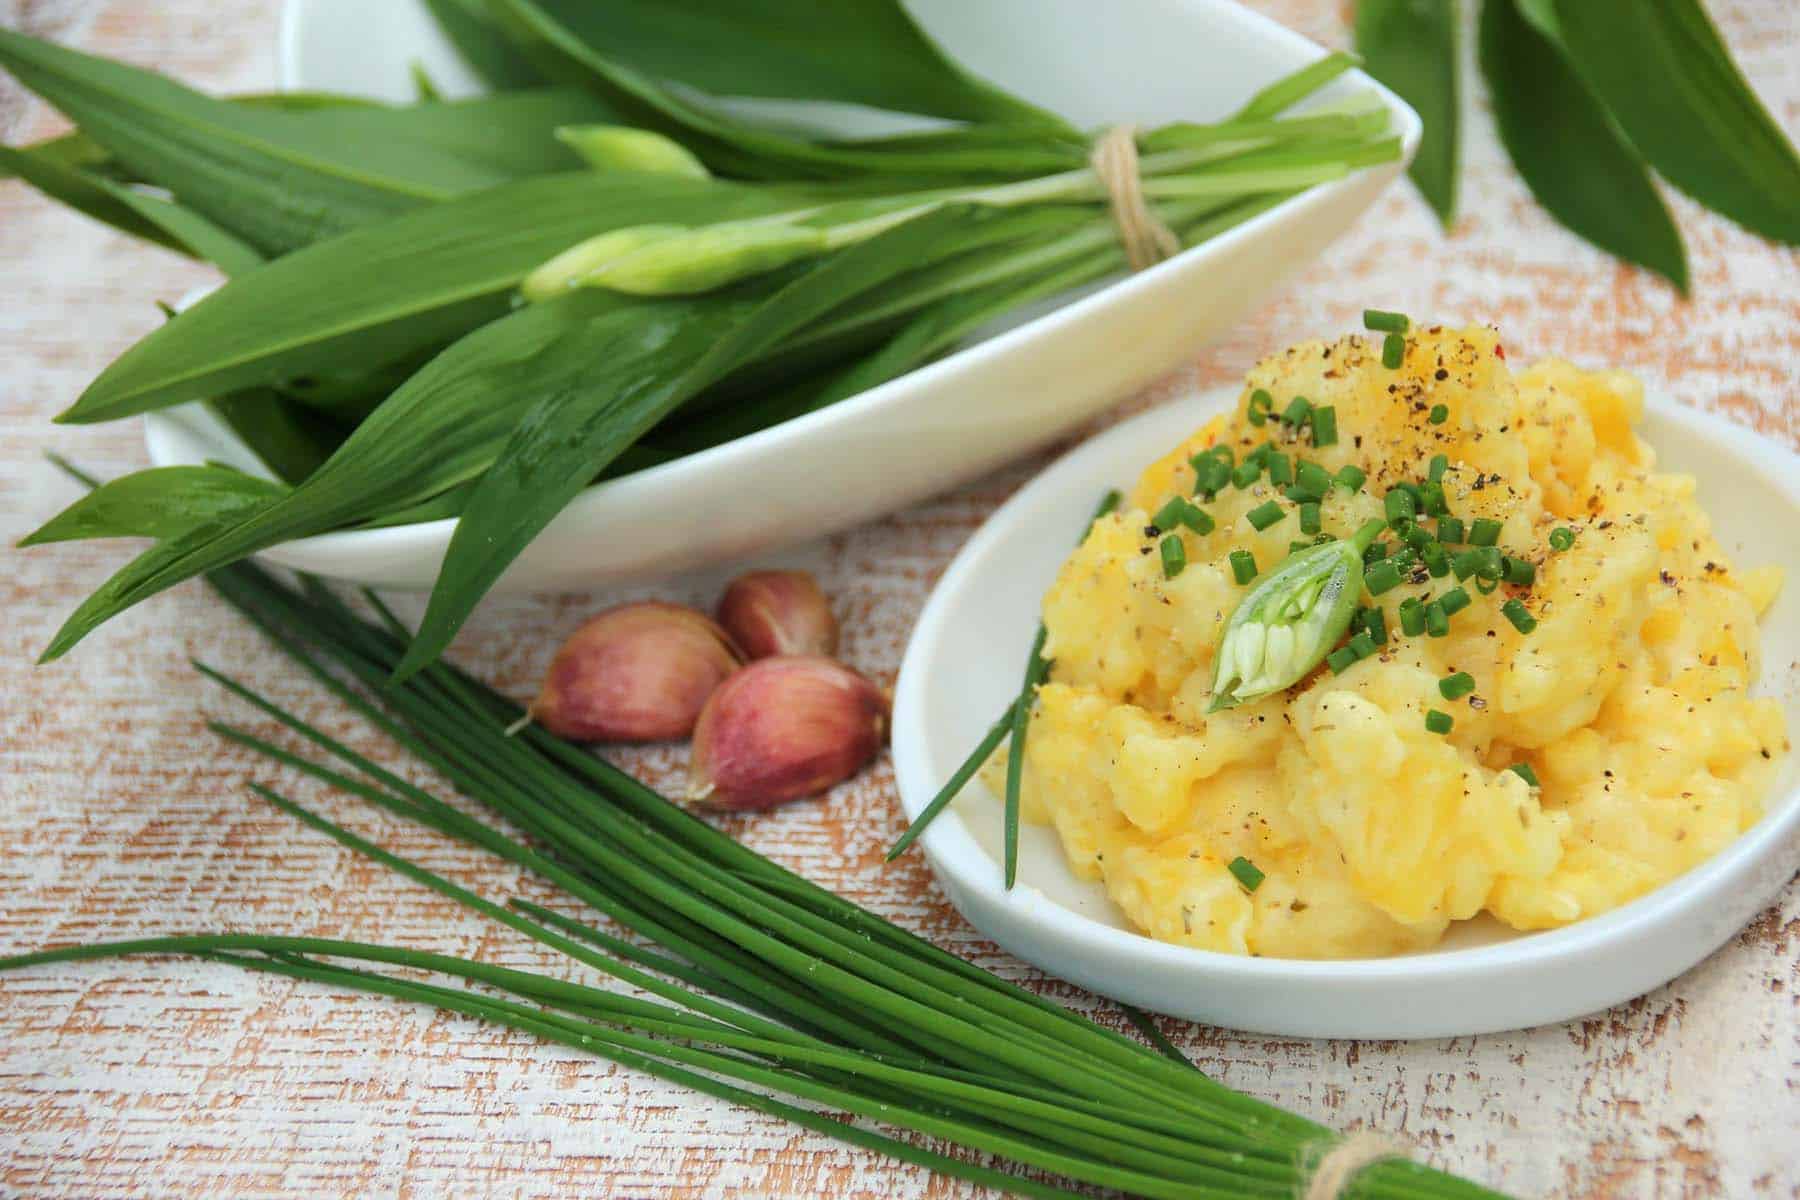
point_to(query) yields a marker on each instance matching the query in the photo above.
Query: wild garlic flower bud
(574, 266)
(709, 257)
(622, 148)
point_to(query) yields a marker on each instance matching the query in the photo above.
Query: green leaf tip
(1412, 48)
(1568, 150)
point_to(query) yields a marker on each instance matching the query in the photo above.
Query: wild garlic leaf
(867, 52)
(466, 25)
(77, 149)
(378, 294)
(274, 183)
(594, 391)
(1411, 47)
(130, 211)
(1541, 16)
(983, 248)
(281, 173)
(505, 137)
(1567, 150)
(725, 143)
(441, 429)
(291, 441)
(162, 502)
(1665, 76)
(603, 386)
(920, 338)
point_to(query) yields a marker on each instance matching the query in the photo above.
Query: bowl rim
(656, 479)
(966, 869)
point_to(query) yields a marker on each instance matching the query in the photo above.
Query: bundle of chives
(777, 989)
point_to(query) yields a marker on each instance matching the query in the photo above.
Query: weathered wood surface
(120, 816)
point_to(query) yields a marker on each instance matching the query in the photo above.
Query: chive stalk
(900, 1031)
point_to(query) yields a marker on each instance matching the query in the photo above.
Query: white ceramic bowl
(963, 665)
(1150, 61)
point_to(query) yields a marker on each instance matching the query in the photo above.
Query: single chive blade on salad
(1288, 623)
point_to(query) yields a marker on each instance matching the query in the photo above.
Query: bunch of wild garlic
(476, 309)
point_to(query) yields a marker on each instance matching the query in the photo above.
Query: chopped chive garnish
(1182, 511)
(1381, 321)
(1383, 576)
(1309, 518)
(1222, 451)
(1399, 506)
(1519, 615)
(1351, 476)
(1299, 544)
(1297, 411)
(1485, 585)
(1301, 494)
(1243, 566)
(1412, 616)
(1450, 529)
(1261, 405)
(1464, 563)
(1393, 351)
(1454, 687)
(1454, 601)
(1324, 425)
(1264, 515)
(1439, 414)
(1561, 538)
(1246, 472)
(1484, 532)
(1402, 558)
(1261, 453)
(1418, 537)
(1313, 478)
(1174, 556)
(1490, 563)
(1436, 558)
(1439, 464)
(1362, 645)
(1518, 571)
(1281, 471)
(1437, 621)
(1437, 721)
(1523, 771)
(1376, 550)
(1340, 660)
(1245, 872)
(1433, 501)
(1210, 476)
(1374, 623)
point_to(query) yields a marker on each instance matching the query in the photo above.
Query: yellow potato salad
(1567, 731)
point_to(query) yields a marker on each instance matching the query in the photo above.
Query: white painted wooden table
(118, 815)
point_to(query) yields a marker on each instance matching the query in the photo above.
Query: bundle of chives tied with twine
(476, 309)
(747, 982)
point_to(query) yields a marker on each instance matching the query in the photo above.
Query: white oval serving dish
(964, 663)
(1150, 61)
